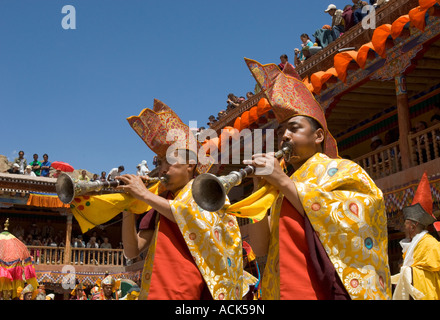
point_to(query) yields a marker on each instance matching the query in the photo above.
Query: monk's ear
(192, 167)
(319, 136)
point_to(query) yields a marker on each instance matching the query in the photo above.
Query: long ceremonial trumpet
(67, 189)
(209, 191)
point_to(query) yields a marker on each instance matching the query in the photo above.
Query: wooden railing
(381, 162)
(45, 255)
(425, 145)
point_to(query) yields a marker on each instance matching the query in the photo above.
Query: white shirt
(32, 174)
(112, 174)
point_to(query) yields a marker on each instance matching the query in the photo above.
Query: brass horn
(67, 188)
(209, 191)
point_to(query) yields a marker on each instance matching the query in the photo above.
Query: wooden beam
(368, 98)
(365, 105)
(379, 84)
(344, 116)
(428, 64)
(433, 52)
(422, 80)
(375, 91)
(417, 87)
(423, 73)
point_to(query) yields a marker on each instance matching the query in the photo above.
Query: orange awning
(398, 25)
(319, 78)
(48, 201)
(379, 39)
(342, 61)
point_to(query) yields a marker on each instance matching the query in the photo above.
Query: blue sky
(68, 93)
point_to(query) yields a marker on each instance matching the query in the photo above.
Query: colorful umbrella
(63, 166)
(16, 263)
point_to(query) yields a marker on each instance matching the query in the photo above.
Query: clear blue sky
(68, 93)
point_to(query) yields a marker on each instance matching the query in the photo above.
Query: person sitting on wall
(15, 169)
(327, 34)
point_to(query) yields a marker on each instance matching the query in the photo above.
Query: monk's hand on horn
(133, 185)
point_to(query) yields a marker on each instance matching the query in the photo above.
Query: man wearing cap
(191, 254)
(419, 276)
(142, 168)
(327, 237)
(328, 34)
(15, 169)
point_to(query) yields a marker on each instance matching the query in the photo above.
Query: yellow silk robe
(347, 211)
(426, 267)
(214, 241)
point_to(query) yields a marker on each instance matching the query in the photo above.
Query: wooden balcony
(384, 164)
(50, 256)
(381, 162)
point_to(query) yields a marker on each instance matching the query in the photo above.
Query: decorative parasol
(63, 166)
(16, 263)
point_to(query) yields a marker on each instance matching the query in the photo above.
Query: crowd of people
(47, 235)
(232, 102)
(107, 288)
(37, 168)
(342, 20)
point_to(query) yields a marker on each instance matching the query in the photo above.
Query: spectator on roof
(21, 161)
(15, 169)
(357, 9)
(304, 53)
(327, 34)
(232, 101)
(212, 120)
(29, 172)
(115, 172)
(249, 95)
(83, 176)
(348, 17)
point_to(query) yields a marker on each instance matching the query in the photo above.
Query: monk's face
(177, 169)
(107, 290)
(410, 228)
(304, 139)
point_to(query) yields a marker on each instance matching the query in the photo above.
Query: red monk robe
(305, 270)
(174, 276)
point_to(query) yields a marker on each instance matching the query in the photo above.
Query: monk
(419, 276)
(191, 254)
(325, 235)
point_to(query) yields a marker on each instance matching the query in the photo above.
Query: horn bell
(65, 188)
(209, 192)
